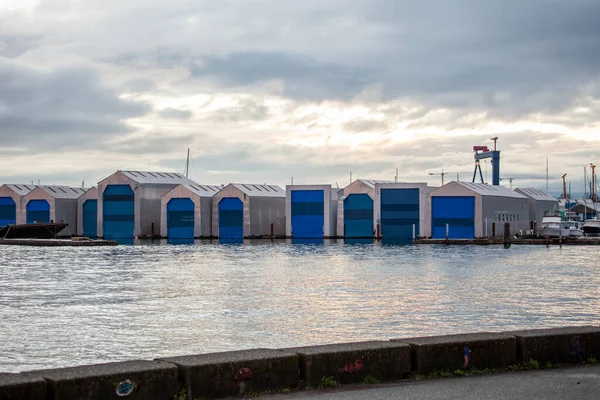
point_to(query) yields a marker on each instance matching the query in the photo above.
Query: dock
(488, 242)
(57, 242)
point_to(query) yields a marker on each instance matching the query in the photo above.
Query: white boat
(575, 229)
(554, 226)
(591, 227)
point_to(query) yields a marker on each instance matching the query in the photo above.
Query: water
(71, 306)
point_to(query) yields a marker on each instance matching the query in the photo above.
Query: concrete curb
(560, 345)
(268, 370)
(237, 373)
(487, 350)
(353, 362)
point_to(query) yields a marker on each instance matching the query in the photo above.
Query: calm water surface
(70, 306)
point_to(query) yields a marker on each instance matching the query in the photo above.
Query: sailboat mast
(187, 164)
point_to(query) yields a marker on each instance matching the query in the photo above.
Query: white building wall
(265, 211)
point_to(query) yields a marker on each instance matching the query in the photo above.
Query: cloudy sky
(263, 90)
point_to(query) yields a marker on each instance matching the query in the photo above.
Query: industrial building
(311, 211)
(87, 213)
(471, 210)
(539, 204)
(186, 211)
(11, 197)
(129, 202)
(248, 210)
(383, 209)
(46, 204)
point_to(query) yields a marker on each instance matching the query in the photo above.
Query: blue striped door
(399, 212)
(458, 212)
(231, 218)
(308, 214)
(8, 211)
(358, 216)
(37, 211)
(118, 212)
(89, 215)
(180, 219)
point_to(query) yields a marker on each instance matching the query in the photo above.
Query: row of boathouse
(130, 204)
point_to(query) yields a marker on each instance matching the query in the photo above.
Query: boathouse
(473, 210)
(129, 202)
(46, 204)
(383, 209)
(186, 211)
(87, 213)
(248, 210)
(539, 204)
(311, 211)
(11, 198)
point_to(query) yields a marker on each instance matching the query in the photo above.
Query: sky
(261, 91)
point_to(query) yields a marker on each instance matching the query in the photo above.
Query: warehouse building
(540, 203)
(311, 211)
(186, 211)
(11, 198)
(383, 209)
(248, 210)
(129, 203)
(46, 204)
(87, 213)
(471, 210)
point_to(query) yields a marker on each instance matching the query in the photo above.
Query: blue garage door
(458, 212)
(308, 214)
(180, 219)
(231, 218)
(8, 211)
(118, 212)
(358, 216)
(89, 214)
(399, 212)
(38, 211)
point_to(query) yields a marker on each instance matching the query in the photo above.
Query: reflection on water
(69, 306)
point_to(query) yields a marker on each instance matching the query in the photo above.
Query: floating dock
(540, 241)
(57, 242)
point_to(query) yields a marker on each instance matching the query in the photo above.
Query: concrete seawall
(248, 372)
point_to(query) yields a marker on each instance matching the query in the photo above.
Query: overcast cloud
(263, 90)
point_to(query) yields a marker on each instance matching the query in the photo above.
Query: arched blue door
(358, 216)
(90, 218)
(37, 211)
(118, 212)
(180, 219)
(308, 214)
(231, 218)
(8, 211)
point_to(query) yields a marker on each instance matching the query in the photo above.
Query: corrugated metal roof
(371, 182)
(260, 190)
(204, 190)
(535, 194)
(19, 189)
(491, 190)
(158, 177)
(63, 192)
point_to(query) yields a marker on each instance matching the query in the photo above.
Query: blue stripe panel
(37, 211)
(399, 212)
(8, 211)
(180, 219)
(458, 212)
(358, 216)
(308, 214)
(118, 212)
(90, 218)
(231, 218)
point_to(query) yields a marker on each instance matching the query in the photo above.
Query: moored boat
(591, 227)
(32, 231)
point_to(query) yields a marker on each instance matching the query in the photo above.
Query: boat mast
(187, 165)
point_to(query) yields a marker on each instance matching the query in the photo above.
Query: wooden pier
(76, 242)
(513, 241)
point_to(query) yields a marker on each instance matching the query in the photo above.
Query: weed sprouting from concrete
(327, 382)
(532, 364)
(446, 374)
(513, 367)
(591, 360)
(459, 372)
(370, 380)
(181, 395)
